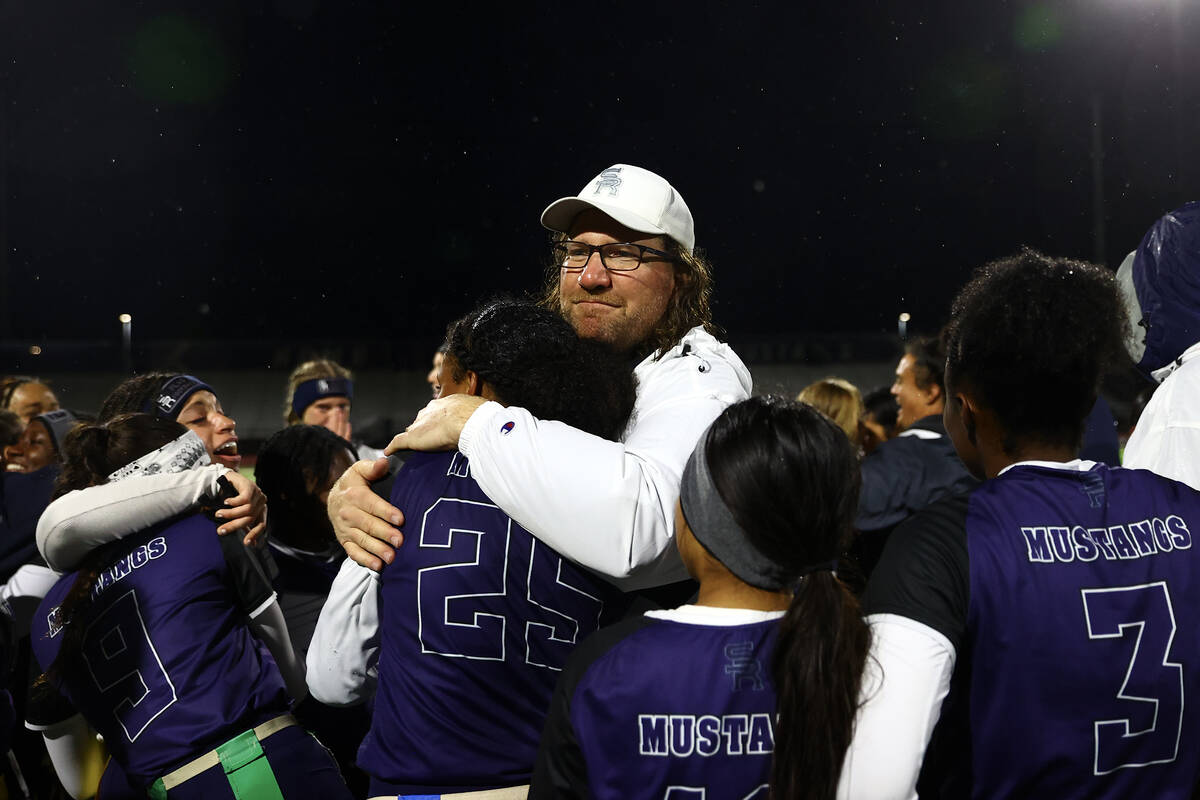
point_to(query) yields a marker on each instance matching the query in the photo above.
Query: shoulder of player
(699, 361)
(939, 529)
(599, 649)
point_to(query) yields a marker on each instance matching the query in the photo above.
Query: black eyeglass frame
(561, 256)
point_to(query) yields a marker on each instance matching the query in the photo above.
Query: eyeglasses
(615, 256)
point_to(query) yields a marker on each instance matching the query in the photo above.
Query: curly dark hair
(131, 395)
(532, 358)
(689, 306)
(294, 466)
(1034, 335)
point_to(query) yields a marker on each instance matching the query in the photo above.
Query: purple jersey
(477, 618)
(664, 707)
(168, 668)
(1066, 594)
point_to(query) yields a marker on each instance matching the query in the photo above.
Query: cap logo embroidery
(165, 402)
(323, 385)
(609, 179)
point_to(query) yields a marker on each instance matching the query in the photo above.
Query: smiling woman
(181, 398)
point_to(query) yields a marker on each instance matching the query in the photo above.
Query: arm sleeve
(906, 679)
(609, 506)
(23, 593)
(344, 650)
(80, 521)
(77, 755)
(250, 581)
(271, 629)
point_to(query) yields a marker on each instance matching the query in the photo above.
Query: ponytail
(818, 665)
(90, 454)
(790, 479)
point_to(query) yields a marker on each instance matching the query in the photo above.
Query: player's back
(477, 619)
(1079, 644)
(167, 667)
(677, 703)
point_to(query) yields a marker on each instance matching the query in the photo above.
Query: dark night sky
(294, 169)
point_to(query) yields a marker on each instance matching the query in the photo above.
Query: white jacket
(610, 506)
(1167, 437)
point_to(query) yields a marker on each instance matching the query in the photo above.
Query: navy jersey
(664, 707)
(1067, 595)
(477, 619)
(168, 668)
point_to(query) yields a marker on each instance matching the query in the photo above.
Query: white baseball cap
(634, 197)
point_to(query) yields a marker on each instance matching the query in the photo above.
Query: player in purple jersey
(170, 644)
(469, 627)
(1039, 621)
(751, 692)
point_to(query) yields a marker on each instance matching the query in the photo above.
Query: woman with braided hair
(155, 643)
(751, 691)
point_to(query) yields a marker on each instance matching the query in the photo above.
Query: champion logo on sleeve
(507, 427)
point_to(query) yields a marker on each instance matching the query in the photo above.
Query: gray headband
(715, 528)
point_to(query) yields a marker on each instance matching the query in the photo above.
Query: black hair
(1033, 336)
(790, 478)
(132, 394)
(532, 358)
(10, 383)
(929, 361)
(10, 428)
(294, 466)
(881, 406)
(90, 454)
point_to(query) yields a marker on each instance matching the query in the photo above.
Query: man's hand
(364, 522)
(438, 425)
(247, 511)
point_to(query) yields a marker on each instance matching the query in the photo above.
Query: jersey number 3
(126, 667)
(1149, 715)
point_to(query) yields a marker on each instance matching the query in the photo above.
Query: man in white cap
(625, 272)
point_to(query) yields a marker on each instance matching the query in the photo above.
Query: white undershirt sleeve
(907, 677)
(271, 628)
(80, 521)
(344, 651)
(78, 757)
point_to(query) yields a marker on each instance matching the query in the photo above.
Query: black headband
(169, 400)
(310, 392)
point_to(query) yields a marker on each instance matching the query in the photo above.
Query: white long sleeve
(80, 521)
(1167, 437)
(77, 755)
(344, 650)
(609, 506)
(271, 629)
(906, 679)
(23, 593)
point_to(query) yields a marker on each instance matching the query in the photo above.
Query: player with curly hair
(464, 634)
(1035, 619)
